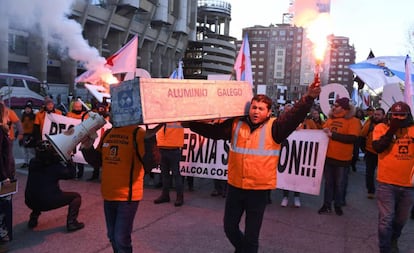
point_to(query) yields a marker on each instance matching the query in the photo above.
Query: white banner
(301, 162)
(56, 124)
(204, 157)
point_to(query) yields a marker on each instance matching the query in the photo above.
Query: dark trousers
(170, 161)
(251, 202)
(220, 186)
(335, 184)
(371, 162)
(71, 199)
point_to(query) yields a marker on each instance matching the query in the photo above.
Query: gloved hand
(394, 125)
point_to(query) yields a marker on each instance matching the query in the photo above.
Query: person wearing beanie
(342, 129)
(49, 107)
(28, 143)
(395, 193)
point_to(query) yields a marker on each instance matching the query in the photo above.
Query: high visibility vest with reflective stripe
(172, 135)
(253, 157)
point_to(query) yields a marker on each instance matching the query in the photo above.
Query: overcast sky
(380, 25)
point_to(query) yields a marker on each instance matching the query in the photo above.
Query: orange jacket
(13, 118)
(40, 118)
(345, 126)
(396, 162)
(171, 136)
(77, 116)
(253, 157)
(118, 152)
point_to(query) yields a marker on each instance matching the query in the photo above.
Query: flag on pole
(123, 61)
(380, 71)
(408, 90)
(366, 100)
(355, 97)
(243, 65)
(178, 72)
(359, 81)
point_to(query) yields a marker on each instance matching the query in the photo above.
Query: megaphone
(66, 142)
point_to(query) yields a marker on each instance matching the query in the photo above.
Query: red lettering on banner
(228, 92)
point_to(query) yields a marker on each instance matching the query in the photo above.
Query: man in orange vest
(170, 140)
(371, 157)
(254, 154)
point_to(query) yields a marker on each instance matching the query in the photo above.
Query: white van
(16, 90)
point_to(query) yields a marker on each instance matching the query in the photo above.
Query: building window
(254, 45)
(17, 44)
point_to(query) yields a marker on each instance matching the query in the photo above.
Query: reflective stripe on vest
(259, 151)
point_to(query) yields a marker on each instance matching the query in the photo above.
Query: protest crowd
(383, 140)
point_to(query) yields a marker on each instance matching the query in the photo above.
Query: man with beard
(252, 162)
(371, 157)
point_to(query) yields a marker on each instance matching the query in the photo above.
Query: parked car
(16, 90)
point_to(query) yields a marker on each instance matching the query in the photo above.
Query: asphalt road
(197, 225)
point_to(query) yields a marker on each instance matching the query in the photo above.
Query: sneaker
(74, 226)
(285, 202)
(325, 210)
(297, 202)
(371, 195)
(338, 211)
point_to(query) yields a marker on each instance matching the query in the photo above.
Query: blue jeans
(394, 206)
(238, 201)
(170, 161)
(119, 217)
(335, 183)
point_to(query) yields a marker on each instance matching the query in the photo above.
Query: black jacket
(43, 181)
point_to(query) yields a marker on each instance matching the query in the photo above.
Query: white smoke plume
(50, 18)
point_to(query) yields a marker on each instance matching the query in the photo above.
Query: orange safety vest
(253, 157)
(118, 153)
(396, 162)
(171, 136)
(40, 118)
